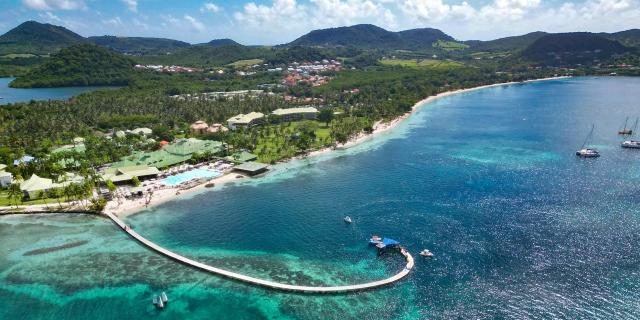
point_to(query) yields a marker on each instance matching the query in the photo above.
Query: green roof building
(126, 174)
(171, 155)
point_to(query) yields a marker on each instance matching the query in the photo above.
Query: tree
(326, 115)
(15, 193)
(136, 181)
(98, 204)
(111, 186)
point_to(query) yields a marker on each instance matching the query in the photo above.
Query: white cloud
(132, 5)
(43, 5)
(210, 7)
(289, 16)
(194, 23)
(113, 22)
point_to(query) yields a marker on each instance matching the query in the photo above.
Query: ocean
(487, 180)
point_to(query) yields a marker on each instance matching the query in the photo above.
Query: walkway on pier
(261, 282)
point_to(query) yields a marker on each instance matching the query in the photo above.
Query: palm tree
(15, 193)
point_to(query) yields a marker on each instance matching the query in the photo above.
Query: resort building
(199, 127)
(246, 120)
(36, 186)
(172, 154)
(25, 159)
(141, 131)
(296, 114)
(6, 178)
(243, 156)
(126, 174)
(251, 168)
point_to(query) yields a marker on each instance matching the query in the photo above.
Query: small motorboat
(632, 144)
(164, 297)
(376, 238)
(347, 219)
(426, 253)
(160, 303)
(587, 153)
(155, 300)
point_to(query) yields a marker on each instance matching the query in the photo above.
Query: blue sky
(279, 21)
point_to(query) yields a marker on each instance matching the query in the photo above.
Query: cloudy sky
(279, 21)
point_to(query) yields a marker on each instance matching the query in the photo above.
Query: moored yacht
(632, 144)
(586, 152)
(347, 219)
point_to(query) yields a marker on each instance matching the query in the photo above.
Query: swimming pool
(189, 175)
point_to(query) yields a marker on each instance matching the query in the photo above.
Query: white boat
(155, 300)
(632, 144)
(347, 219)
(164, 297)
(160, 304)
(586, 152)
(426, 253)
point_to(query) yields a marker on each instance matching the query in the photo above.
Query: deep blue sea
(14, 95)
(487, 180)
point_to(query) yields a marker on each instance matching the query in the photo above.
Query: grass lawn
(275, 147)
(245, 63)
(6, 202)
(18, 55)
(421, 63)
(449, 45)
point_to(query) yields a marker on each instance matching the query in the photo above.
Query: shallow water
(487, 180)
(14, 95)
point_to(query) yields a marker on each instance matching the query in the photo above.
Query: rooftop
(251, 167)
(246, 118)
(282, 112)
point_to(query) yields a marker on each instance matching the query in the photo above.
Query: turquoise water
(13, 95)
(190, 175)
(487, 180)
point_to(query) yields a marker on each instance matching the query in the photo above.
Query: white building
(245, 120)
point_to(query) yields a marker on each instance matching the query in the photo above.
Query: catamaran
(625, 130)
(585, 152)
(632, 144)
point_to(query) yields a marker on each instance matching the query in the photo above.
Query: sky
(268, 22)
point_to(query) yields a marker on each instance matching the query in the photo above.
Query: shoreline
(131, 207)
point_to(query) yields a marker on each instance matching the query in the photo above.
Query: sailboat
(585, 152)
(625, 130)
(632, 144)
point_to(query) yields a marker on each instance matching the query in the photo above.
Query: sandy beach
(125, 207)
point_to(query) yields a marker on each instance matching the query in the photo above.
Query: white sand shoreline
(130, 207)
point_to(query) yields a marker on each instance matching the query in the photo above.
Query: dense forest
(79, 65)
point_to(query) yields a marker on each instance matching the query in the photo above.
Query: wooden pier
(266, 283)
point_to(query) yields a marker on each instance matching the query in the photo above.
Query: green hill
(510, 44)
(367, 36)
(138, 45)
(79, 65)
(207, 56)
(37, 38)
(567, 49)
(629, 38)
(221, 43)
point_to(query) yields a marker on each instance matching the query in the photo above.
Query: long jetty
(261, 282)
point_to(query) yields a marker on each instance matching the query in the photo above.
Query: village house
(199, 127)
(6, 178)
